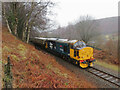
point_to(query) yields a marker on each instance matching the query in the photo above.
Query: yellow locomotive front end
(81, 54)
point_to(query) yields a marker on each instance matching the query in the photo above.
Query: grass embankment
(32, 68)
(105, 59)
(107, 65)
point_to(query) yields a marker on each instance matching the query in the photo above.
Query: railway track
(106, 76)
(99, 73)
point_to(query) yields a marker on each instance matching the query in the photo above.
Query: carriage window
(54, 45)
(65, 48)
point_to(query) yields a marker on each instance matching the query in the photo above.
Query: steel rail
(99, 73)
(104, 75)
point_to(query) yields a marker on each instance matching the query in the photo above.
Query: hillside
(32, 68)
(108, 25)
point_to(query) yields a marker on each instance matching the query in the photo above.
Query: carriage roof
(57, 40)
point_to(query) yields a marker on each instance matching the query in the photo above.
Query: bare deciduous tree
(22, 17)
(5, 17)
(86, 28)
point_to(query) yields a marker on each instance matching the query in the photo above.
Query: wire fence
(7, 80)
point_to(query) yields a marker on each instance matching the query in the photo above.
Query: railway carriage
(74, 50)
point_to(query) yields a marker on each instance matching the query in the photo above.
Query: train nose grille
(86, 53)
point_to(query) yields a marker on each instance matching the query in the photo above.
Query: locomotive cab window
(79, 44)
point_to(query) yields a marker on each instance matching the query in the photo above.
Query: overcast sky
(70, 10)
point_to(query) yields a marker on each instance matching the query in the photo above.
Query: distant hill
(108, 25)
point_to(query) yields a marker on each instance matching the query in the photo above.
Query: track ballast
(106, 76)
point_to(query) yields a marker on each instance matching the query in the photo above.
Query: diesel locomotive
(75, 51)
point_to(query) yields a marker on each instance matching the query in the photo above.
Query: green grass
(107, 65)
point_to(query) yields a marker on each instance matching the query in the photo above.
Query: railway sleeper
(104, 76)
(108, 78)
(99, 74)
(96, 72)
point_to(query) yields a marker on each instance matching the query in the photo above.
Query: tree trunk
(8, 25)
(24, 31)
(4, 15)
(16, 27)
(23, 35)
(26, 24)
(16, 19)
(28, 35)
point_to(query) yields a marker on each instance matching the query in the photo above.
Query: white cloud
(70, 10)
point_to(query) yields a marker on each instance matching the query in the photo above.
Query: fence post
(8, 74)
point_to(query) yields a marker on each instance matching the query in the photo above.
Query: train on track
(74, 51)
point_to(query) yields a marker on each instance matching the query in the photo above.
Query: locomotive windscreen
(79, 45)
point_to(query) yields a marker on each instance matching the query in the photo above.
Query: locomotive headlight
(82, 57)
(91, 57)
